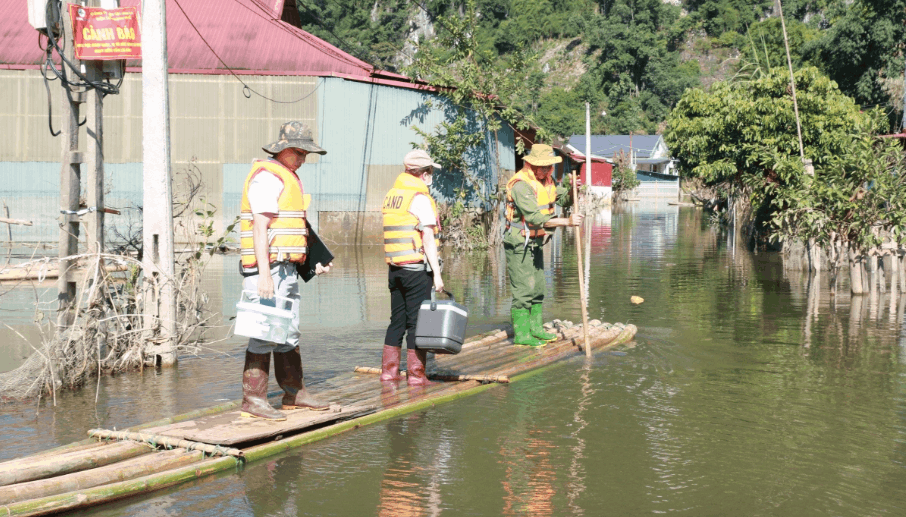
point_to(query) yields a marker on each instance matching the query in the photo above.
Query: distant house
(648, 155)
(598, 182)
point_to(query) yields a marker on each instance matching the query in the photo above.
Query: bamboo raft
(113, 465)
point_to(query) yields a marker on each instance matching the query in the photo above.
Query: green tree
(764, 47)
(561, 112)
(636, 73)
(862, 47)
(719, 16)
(742, 135)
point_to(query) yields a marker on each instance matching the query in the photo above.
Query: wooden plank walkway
(232, 429)
(84, 474)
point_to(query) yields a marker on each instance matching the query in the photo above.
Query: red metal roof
(248, 35)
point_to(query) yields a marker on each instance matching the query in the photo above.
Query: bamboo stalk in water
(129, 469)
(100, 494)
(166, 441)
(30, 469)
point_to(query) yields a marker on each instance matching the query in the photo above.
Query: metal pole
(157, 243)
(94, 156)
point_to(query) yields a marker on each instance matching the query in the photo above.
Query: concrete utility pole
(160, 304)
(70, 174)
(94, 157)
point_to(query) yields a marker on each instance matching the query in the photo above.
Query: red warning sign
(105, 34)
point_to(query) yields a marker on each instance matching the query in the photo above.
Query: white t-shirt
(421, 208)
(264, 193)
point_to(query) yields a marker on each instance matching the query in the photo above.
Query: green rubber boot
(536, 326)
(522, 333)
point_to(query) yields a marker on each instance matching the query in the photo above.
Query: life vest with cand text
(287, 233)
(402, 233)
(545, 194)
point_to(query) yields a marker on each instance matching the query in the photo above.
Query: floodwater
(741, 395)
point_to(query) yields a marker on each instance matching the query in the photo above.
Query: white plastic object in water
(264, 322)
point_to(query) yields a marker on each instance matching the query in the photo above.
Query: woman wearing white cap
(411, 226)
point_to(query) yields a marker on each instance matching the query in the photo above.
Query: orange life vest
(402, 233)
(287, 232)
(545, 194)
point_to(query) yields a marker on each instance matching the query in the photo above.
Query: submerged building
(238, 70)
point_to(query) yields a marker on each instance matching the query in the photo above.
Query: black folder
(317, 254)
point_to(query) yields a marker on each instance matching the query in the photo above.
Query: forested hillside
(632, 59)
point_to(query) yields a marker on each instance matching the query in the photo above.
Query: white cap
(418, 159)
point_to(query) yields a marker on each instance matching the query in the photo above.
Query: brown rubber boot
(416, 361)
(288, 369)
(254, 388)
(390, 363)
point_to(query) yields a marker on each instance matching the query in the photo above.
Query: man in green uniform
(531, 195)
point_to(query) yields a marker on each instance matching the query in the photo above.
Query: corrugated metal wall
(216, 131)
(371, 127)
(212, 123)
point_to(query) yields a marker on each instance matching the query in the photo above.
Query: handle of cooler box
(434, 298)
(292, 303)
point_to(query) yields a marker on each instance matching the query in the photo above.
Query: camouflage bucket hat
(294, 134)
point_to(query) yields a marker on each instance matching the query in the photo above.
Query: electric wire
(246, 90)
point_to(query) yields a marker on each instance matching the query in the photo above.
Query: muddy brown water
(741, 395)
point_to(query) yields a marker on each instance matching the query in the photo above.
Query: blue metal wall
(366, 124)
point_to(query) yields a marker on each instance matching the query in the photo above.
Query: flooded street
(741, 394)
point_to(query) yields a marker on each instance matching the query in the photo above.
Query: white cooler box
(441, 326)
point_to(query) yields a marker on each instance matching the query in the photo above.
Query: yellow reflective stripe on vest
(287, 232)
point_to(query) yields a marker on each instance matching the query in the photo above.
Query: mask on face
(428, 178)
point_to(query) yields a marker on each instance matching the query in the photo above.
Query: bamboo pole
(436, 377)
(122, 471)
(101, 494)
(30, 469)
(166, 441)
(22, 222)
(789, 63)
(32, 273)
(581, 267)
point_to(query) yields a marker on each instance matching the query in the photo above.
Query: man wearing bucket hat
(273, 233)
(530, 198)
(410, 249)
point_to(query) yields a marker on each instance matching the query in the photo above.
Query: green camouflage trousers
(525, 266)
